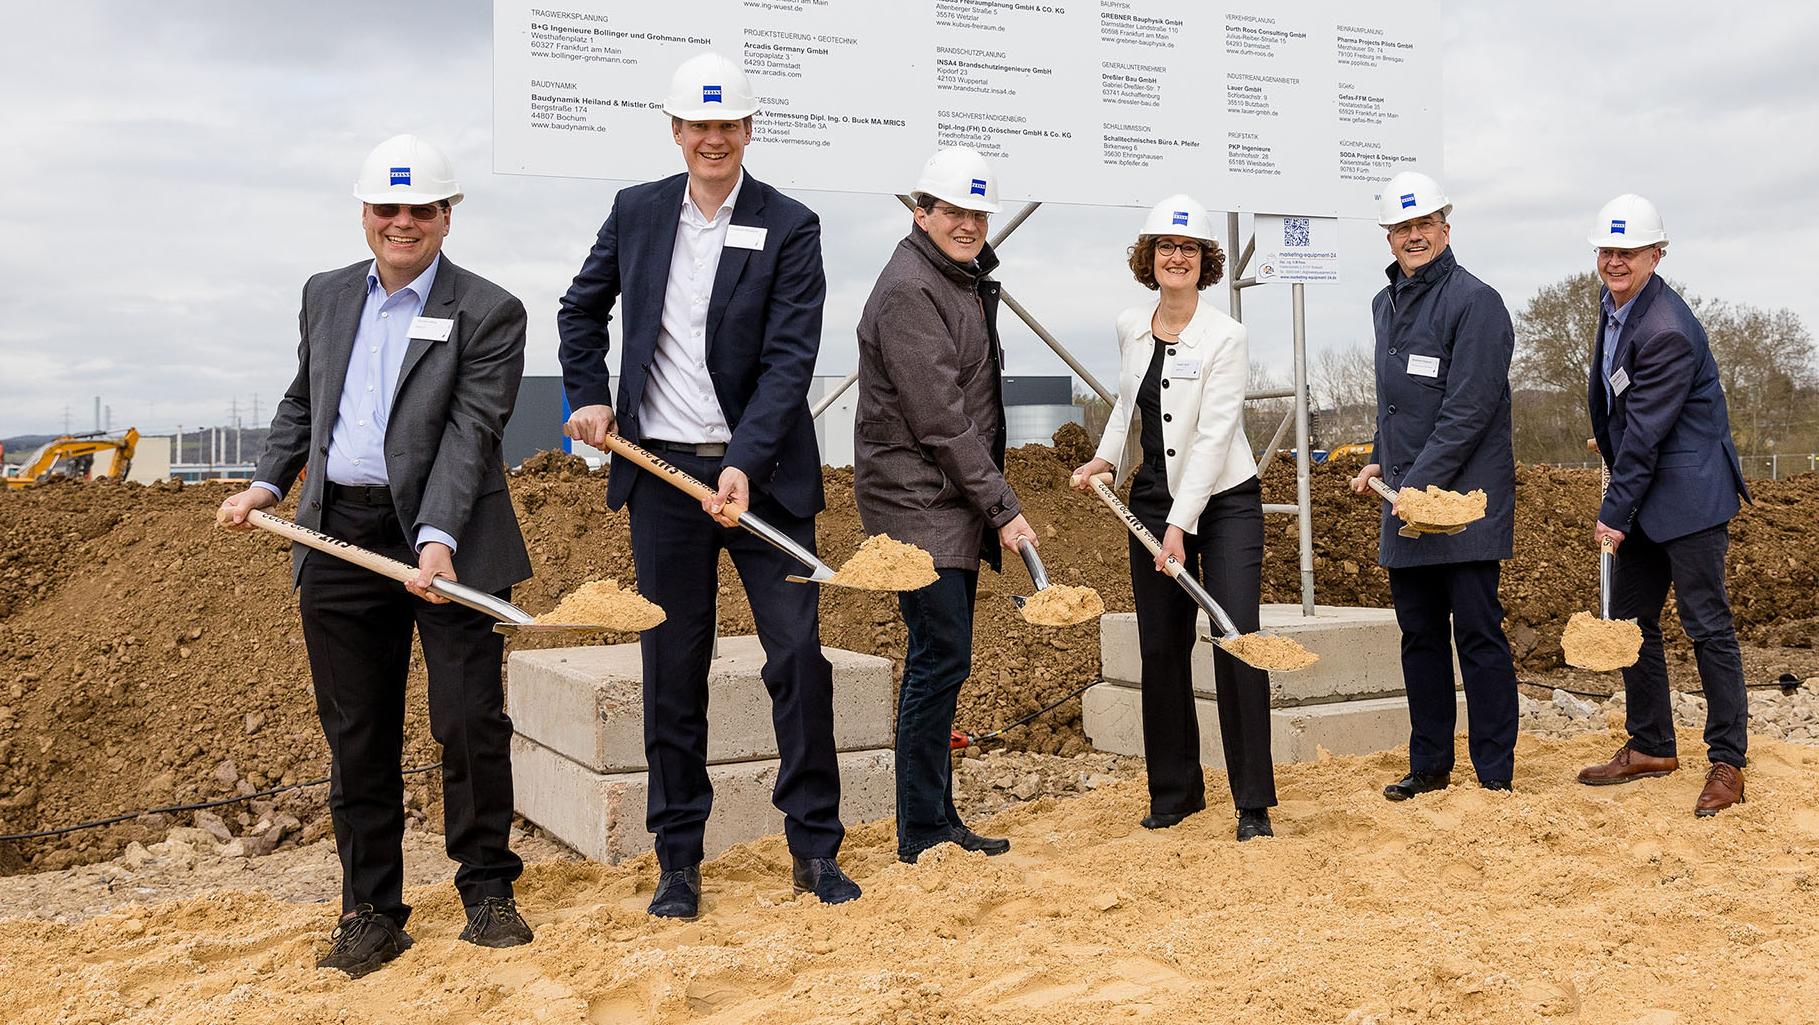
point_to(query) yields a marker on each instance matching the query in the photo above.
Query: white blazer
(1207, 372)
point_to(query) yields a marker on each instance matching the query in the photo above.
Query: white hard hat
(1409, 195)
(709, 87)
(961, 177)
(405, 169)
(1628, 222)
(1180, 215)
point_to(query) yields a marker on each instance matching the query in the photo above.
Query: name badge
(745, 236)
(1184, 368)
(1619, 381)
(1424, 366)
(436, 329)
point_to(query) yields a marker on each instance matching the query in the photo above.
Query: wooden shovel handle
(657, 467)
(380, 564)
(1102, 486)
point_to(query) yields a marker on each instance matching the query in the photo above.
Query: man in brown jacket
(928, 466)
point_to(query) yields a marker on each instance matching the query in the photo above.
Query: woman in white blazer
(1184, 365)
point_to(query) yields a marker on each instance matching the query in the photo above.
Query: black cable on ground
(1788, 683)
(1026, 720)
(198, 806)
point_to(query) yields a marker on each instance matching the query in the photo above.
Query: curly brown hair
(1143, 262)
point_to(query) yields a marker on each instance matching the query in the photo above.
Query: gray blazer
(928, 444)
(442, 452)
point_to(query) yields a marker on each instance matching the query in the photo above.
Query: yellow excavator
(73, 455)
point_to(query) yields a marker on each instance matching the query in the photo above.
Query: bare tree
(1344, 382)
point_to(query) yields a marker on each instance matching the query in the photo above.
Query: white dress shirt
(679, 400)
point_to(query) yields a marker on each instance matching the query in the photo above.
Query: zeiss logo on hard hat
(1618, 226)
(978, 187)
(1181, 218)
(710, 94)
(401, 176)
(1408, 200)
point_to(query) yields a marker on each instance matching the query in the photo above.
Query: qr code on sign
(1294, 232)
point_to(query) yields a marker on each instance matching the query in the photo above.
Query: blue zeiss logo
(978, 187)
(710, 94)
(1408, 200)
(1181, 218)
(1618, 226)
(401, 176)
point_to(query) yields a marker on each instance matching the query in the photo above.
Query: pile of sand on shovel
(1063, 605)
(1437, 508)
(1272, 652)
(1600, 645)
(605, 603)
(883, 563)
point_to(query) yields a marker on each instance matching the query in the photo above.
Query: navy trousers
(676, 548)
(357, 627)
(938, 661)
(1694, 565)
(1426, 598)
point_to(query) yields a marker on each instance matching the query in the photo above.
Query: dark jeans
(1225, 554)
(357, 626)
(940, 656)
(1466, 592)
(1694, 565)
(676, 548)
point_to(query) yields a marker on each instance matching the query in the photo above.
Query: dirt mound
(1556, 902)
(148, 658)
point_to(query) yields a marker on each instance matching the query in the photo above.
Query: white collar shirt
(679, 401)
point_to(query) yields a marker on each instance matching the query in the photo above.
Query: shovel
(1074, 614)
(512, 619)
(1409, 527)
(1228, 631)
(1607, 635)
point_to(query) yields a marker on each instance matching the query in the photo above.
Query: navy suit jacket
(1667, 436)
(763, 332)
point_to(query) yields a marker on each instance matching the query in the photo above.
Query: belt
(359, 494)
(706, 449)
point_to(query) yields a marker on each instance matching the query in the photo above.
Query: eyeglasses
(1425, 225)
(1623, 255)
(957, 214)
(387, 211)
(1187, 249)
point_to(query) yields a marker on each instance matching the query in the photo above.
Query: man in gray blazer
(406, 374)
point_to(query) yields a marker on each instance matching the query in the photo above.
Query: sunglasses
(387, 211)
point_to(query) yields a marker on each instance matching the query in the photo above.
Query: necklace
(1160, 326)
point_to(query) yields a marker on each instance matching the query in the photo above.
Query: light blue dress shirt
(356, 447)
(1614, 316)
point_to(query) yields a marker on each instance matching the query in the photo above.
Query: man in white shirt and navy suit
(722, 284)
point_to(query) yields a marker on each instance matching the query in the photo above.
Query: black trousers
(937, 662)
(676, 548)
(1694, 565)
(1226, 555)
(357, 626)
(1426, 599)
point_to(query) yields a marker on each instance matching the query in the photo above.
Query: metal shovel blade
(1038, 575)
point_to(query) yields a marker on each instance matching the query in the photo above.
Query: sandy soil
(1556, 903)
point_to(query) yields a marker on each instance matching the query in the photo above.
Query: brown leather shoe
(1723, 788)
(1626, 765)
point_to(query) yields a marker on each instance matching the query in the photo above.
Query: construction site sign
(1251, 106)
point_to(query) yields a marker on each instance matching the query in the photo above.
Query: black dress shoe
(364, 940)
(823, 878)
(495, 922)
(1253, 822)
(678, 894)
(971, 841)
(1417, 783)
(1166, 819)
(1495, 784)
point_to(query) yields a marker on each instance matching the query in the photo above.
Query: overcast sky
(173, 172)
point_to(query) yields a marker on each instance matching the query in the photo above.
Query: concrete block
(602, 814)
(1359, 649)
(1112, 715)
(587, 704)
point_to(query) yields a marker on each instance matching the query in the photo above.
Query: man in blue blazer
(1659, 417)
(722, 285)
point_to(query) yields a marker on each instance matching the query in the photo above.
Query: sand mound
(1556, 903)
(1063, 605)
(1273, 652)
(1601, 645)
(884, 563)
(606, 604)
(1436, 507)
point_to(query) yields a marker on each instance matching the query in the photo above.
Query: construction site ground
(147, 658)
